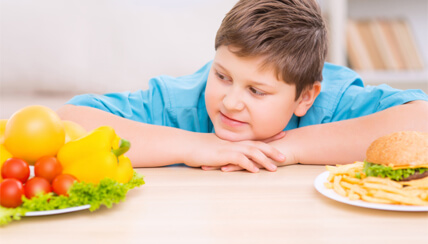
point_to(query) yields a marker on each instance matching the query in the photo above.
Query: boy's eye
(257, 92)
(221, 76)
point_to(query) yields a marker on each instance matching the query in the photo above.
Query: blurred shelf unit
(385, 41)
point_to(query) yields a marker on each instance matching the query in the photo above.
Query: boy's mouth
(230, 121)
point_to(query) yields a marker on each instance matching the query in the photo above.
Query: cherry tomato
(47, 167)
(15, 168)
(37, 185)
(11, 192)
(62, 183)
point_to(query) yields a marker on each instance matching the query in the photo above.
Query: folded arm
(153, 145)
(347, 141)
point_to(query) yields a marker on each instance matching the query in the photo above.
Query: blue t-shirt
(180, 101)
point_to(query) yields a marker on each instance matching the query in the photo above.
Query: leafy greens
(377, 170)
(106, 193)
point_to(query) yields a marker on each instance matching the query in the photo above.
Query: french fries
(342, 179)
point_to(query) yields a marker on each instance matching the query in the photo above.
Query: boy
(263, 98)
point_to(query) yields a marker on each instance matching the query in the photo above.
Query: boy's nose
(233, 101)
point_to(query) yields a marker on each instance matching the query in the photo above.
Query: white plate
(57, 211)
(330, 193)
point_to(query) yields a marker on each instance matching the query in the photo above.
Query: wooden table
(187, 205)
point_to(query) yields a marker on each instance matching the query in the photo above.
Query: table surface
(179, 204)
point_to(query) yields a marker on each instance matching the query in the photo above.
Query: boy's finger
(260, 158)
(239, 159)
(210, 167)
(273, 153)
(268, 150)
(244, 162)
(231, 167)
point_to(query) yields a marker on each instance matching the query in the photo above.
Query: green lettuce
(377, 170)
(106, 192)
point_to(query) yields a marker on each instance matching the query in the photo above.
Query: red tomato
(11, 192)
(47, 167)
(37, 185)
(62, 183)
(15, 168)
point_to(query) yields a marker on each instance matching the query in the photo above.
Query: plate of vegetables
(57, 167)
(57, 211)
(81, 196)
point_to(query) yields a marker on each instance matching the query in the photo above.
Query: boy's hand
(285, 149)
(250, 155)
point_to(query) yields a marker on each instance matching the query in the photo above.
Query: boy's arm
(347, 141)
(153, 145)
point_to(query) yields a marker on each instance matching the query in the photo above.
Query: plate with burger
(394, 175)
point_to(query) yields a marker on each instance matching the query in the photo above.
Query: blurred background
(103, 45)
(51, 50)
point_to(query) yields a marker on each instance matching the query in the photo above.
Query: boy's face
(245, 102)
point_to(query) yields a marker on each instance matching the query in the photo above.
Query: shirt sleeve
(142, 106)
(169, 101)
(359, 101)
(344, 96)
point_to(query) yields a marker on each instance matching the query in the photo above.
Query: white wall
(103, 45)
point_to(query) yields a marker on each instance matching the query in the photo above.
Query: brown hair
(290, 34)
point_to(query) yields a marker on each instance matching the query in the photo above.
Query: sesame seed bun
(405, 148)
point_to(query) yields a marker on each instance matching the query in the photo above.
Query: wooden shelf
(339, 11)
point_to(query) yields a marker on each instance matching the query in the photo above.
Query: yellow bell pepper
(96, 156)
(125, 171)
(4, 155)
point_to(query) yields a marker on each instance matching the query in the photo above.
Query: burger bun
(405, 148)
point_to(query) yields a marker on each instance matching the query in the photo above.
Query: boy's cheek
(212, 98)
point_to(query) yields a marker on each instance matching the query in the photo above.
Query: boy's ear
(307, 98)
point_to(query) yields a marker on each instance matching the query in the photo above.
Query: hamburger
(400, 156)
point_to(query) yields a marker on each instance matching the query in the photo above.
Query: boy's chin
(230, 136)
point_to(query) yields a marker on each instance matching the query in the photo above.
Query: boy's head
(289, 34)
(268, 64)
